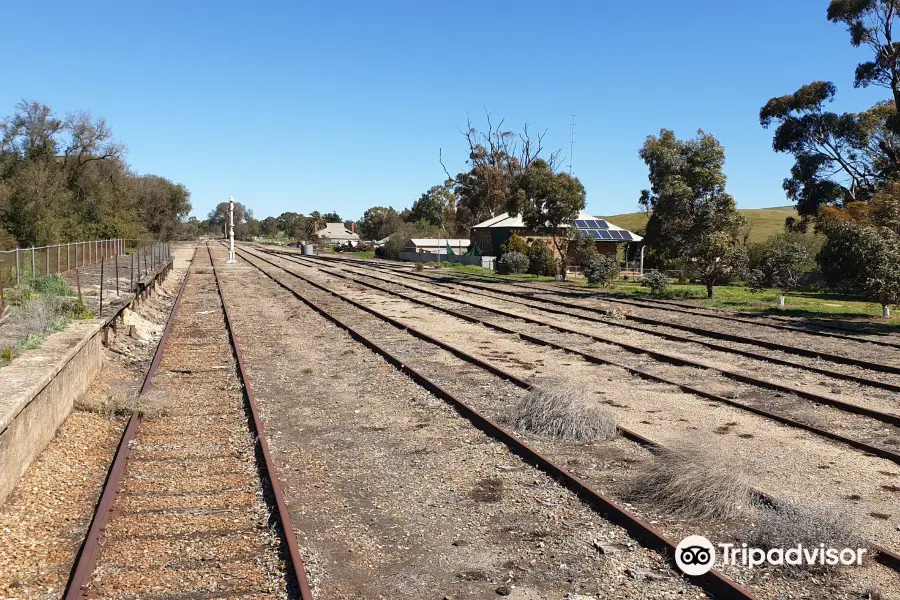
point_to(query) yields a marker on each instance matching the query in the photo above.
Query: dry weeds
(789, 525)
(689, 481)
(564, 411)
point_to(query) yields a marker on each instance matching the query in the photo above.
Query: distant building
(335, 233)
(490, 235)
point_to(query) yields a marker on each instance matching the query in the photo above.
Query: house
(437, 245)
(335, 233)
(490, 235)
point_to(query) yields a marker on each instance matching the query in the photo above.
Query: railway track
(534, 300)
(607, 507)
(789, 323)
(766, 358)
(713, 582)
(192, 506)
(876, 450)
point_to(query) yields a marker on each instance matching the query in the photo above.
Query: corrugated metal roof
(505, 220)
(440, 242)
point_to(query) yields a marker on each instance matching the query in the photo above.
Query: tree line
(65, 179)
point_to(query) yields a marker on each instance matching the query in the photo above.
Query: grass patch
(365, 254)
(799, 303)
(563, 411)
(765, 222)
(692, 482)
(786, 526)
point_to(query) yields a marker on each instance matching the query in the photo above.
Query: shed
(437, 245)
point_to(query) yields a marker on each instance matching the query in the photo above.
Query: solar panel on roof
(601, 224)
(625, 235)
(615, 234)
(593, 224)
(604, 234)
(595, 234)
(581, 224)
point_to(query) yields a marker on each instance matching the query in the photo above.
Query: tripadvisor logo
(696, 555)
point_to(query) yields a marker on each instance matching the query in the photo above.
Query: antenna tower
(571, 142)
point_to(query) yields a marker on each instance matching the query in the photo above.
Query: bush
(692, 482)
(515, 243)
(564, 411)
(542, 260)
(420, 266)
(602, 269)
(585, 250)
(395, 245)
(513, 263)
(657, 281)
(52, 285)
(788, 525)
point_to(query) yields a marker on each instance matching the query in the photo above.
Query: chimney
(352, 227)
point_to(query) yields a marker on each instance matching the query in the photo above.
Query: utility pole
(231, 259)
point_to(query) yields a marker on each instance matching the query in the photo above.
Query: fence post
(33, 265)
(48, 261)
(145, 262)
(18, 268)
(102, 262)
(78, 285)
(131, 274)
(58, 258)
(117, 275)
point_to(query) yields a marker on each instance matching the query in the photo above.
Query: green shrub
(542, 260)
(52, 285)
(420, 266)
(513, 263)
(657, 281)
(515, 243)
(602, 269)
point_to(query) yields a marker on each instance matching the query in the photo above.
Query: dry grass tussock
(689, 481)
(789, 525)
(122, 400)
(564, 411)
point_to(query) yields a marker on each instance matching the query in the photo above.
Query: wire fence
(27, 264)
(103, 266)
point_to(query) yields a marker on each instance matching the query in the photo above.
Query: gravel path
(395, 495)
(609, 466)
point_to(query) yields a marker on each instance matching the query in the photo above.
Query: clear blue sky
(343, 105)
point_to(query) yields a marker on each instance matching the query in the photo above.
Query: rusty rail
(883, 555)
(713, 582)
(788, 349)
(863, 446)
(86, 559)
(298, 570)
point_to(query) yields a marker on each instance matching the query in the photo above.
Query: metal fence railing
(25, 264)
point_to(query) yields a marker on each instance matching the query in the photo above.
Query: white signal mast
(231, 259)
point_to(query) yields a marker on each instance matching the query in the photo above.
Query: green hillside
(765, 222)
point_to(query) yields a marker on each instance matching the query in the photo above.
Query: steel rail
(671, 337)
(893, 387)
(841, 405)
(836, 358)
(298, 570)
(713, 582)
(678, 306)
(86, 559)
(883, 555)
